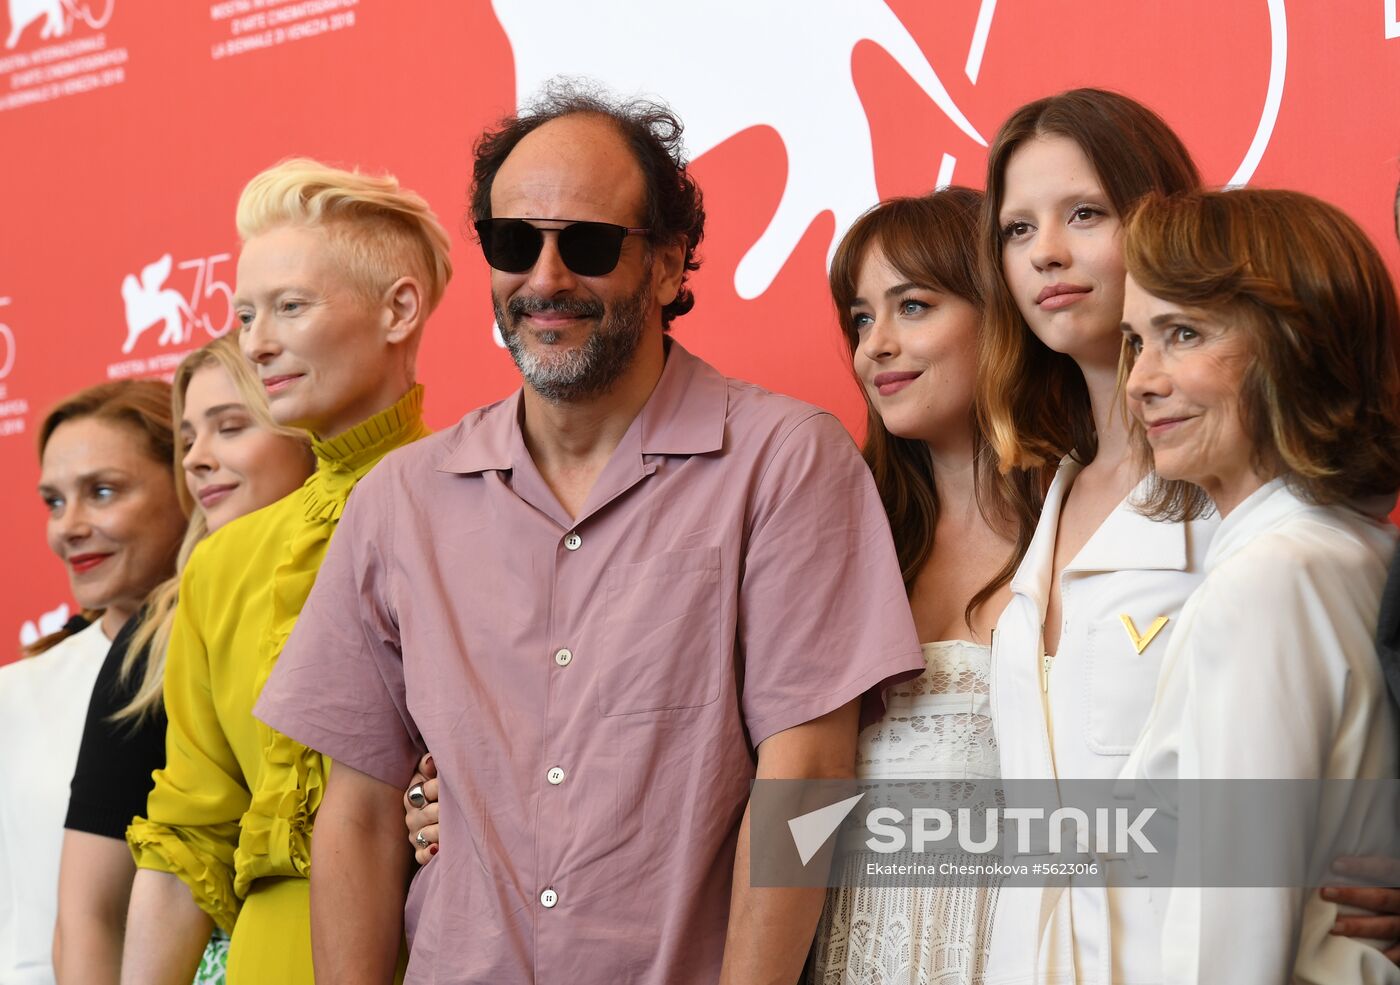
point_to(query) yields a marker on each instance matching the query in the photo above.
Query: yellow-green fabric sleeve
(191, 826)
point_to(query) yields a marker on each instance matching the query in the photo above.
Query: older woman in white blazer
(1261, 330)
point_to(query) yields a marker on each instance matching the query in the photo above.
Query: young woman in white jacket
(1098, 593)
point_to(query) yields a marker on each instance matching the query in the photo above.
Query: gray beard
(590, 369)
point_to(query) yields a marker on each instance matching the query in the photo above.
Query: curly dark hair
(675, 210)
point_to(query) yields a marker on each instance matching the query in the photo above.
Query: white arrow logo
(810, 831)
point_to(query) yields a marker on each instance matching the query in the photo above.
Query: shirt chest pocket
(661, 638)
(1121, 681)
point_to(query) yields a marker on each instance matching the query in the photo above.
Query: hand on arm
(359, 869)
(165, 932)
(423, 820)
(770, 929)
(94, 887)
(1382, 923)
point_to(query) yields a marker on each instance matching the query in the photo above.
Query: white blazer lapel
(1129, 541)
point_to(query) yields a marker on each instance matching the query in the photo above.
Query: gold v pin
(1140, 642)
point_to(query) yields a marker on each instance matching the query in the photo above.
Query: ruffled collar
(275, 837)
(345, 459)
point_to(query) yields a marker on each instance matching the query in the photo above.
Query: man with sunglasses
(606, 604)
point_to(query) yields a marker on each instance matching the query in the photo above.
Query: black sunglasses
(589, 249)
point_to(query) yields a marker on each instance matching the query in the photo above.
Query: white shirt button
(555, 776)
(573, 542)
(548, 898)
(563, 657)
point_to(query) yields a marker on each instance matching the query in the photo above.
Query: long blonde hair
(158, 616)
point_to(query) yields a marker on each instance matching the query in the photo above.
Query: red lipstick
(82, 563)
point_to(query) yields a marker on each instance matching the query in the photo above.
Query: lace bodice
(937, 726)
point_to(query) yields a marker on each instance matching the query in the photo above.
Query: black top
(116, 759)
(1388, 631)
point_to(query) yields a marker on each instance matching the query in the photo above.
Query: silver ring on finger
(416, 797)
(421, 840)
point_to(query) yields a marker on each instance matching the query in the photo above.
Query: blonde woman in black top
(234, 459)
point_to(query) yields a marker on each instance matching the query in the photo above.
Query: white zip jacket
(1082, 716)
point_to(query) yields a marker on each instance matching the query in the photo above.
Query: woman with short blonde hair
(337, 275)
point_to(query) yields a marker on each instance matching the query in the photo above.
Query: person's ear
(667, 270)
(404, 310)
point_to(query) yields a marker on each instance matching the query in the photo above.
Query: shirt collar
(684, 415)
(370, 440)
(1032, 575)
(1259, 511)
(1129, 541)
(343, 460)
(1125, 541)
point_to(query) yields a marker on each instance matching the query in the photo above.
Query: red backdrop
(128, 128)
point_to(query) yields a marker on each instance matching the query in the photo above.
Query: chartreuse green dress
(231, 813)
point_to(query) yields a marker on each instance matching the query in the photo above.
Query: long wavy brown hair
(1032, 401)
(931, 241)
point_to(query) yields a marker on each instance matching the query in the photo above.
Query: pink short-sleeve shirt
(593, 689)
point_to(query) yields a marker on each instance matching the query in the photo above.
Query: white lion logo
(147, 303)
(58, 15)
(731, 65)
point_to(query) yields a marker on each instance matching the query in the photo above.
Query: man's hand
(1383, 922)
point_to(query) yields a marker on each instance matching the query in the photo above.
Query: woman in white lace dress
(904, 281)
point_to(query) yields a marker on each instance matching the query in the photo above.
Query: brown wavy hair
(142, 406)
(1320, 399)
(1032, 401)
(930, 240)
